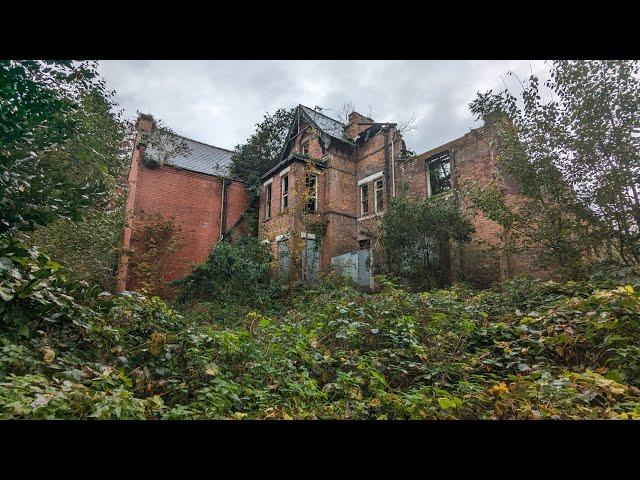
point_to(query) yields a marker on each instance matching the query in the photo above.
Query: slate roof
(328, 125)
(188, 154)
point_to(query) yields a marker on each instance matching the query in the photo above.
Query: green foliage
(263, 149)
(159, 239)
(57, 141)
(237, 272)
(535, 350)
(416, 234)
(89, 249)
(576, 160)
(33, 289)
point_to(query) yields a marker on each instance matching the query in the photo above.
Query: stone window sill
(379, 214)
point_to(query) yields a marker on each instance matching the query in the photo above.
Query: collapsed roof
(329, 129)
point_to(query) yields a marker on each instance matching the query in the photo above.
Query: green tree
(415, 237)
(575, 157)
(55, 160)
(263, 149)
(90, 247)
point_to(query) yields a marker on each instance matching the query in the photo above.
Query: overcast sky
(219, 102)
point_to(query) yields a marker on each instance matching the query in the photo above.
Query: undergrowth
(529, 350)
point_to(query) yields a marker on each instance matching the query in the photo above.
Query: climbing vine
(158, 241)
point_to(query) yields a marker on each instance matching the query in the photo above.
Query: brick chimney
(353, 128)
(145, 125)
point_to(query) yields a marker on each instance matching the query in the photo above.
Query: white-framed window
(284, 192)
(311, 189)
(378, 195)
(267, 200)
(305, 148)
(364, 200)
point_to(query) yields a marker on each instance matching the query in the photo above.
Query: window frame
(268, 200)
(378, 194)
(438, 157)
(364, 199)
(284, 195)
(315, 192)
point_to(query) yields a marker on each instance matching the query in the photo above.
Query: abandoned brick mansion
(319, 207)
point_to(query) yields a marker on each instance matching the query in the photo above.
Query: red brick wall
(473, 159)
(194, 200)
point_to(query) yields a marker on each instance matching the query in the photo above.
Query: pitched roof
(328, 125)
(181, 152)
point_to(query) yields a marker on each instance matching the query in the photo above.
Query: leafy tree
(55, 159)
(415, 237)
(90, 247)
(263, 149)
(576, 158)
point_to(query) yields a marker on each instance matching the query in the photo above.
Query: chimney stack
(144, 126)
(353, 128)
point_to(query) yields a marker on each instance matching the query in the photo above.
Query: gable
(329, 130)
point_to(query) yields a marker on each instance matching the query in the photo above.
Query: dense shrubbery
(416, 236)
(237, 272)
(534, 350)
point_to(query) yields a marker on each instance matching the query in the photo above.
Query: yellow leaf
(212, 369)
(499, 389)
(49, 355)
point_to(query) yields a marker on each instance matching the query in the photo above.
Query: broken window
(364, 244)
(379, 196)
(267, 201)
(364, 200)
(439, 173)
(284, 200)
(311, 184)
(305, 148)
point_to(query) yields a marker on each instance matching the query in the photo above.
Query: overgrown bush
(416, 235)
(535, 350)
(238, 272)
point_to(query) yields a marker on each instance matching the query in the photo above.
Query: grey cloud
(219, 102)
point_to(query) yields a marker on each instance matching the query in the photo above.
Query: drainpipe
(387, 183)
(222, 206)
(393, 165)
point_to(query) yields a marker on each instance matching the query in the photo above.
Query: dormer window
(305, 148)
